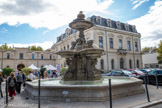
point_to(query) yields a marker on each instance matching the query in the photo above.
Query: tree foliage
(34, 48)
(63, 70)
(146, 49)
(6, 71)
(159, 51)
(26, 71)
(5, 47)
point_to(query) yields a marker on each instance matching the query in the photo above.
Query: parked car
(152, 76)
(136, 72)
(145, 70)
(119, 73)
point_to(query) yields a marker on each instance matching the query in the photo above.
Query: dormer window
(118, 25)
(134, 28)
(126, 27)
(108, 22)
(67, 31)
(62, 36)
(98, 20)
(88, 19)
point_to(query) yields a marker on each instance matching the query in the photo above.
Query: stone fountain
(82, 81)
(82, 57)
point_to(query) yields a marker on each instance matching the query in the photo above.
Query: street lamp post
(2, 51)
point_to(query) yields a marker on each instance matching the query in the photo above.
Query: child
(12, 85)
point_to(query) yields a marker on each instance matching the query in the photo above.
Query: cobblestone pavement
(20, 101)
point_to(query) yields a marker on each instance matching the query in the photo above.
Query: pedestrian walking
(19, 81)
(12, 85)
(1, 80)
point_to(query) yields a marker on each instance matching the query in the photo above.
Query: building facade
(150, 59)
(23, 57)
(120, 41)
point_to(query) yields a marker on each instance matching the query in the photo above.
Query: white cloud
(150, 25)
(138, 3)
(45, 45)
(47, 13)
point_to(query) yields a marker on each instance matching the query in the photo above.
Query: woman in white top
(31, 76)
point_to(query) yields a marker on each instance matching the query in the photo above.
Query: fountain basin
(53, 90)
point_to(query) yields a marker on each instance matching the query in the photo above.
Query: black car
(152, 76)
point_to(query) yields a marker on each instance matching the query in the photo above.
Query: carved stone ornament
(100, 33)
(120, 36)
(111, 35)
(88, 34)
(128, 38)
(135, 39)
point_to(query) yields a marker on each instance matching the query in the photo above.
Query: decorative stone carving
(135, 39)
(73, 44)
(88, 34)
(100, 33)
(120, 36)
(111, 35)
(128, 38)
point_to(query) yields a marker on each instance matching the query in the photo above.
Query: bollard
(157, 85)
(39, 91)
(6, 92)
(148, 97)
(147, 78)
(110, 94)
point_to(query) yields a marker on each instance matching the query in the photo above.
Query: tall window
(67, 46)
(121, 63)
(120, 44)
(111, 42)
(64, 48)
(32, 56)
(42, 56)
(136, 46)
(21, 56)
(102, 64)
(100, 41)
(50, 56)
(130, 64)
(112, 64)
(129, 45)
(8, 55)
(137, 63)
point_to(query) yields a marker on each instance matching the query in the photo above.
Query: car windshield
(151, 72)
(138, 71)
(126, 72)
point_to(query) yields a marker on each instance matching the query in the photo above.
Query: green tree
(6, 71)
(34, 48)
(159, 51)
(26, 71)
(145, 49)
(5, 47)
(63, 70)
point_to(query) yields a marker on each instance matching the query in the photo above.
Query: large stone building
(23, 57)
(120, 41)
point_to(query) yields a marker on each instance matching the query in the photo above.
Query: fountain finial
(81, 15)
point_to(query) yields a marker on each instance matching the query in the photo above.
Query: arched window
(130, 64)
(112, 64)
(137, 63)
(102, 64)
(121, 63)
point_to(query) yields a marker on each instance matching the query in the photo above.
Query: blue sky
(39, 22)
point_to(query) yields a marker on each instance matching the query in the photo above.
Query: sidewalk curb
(149, 104)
